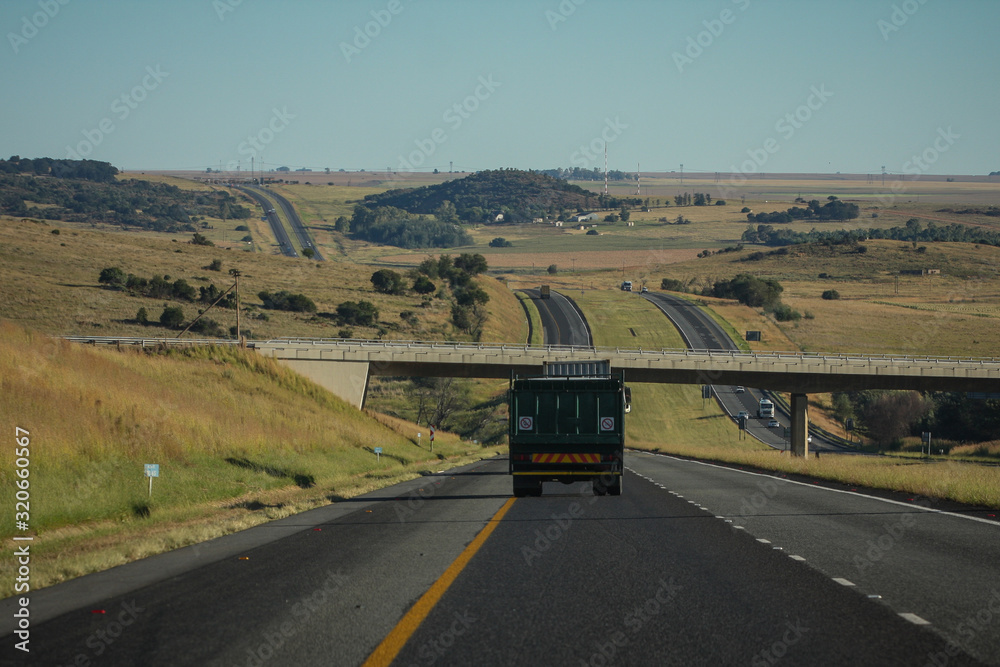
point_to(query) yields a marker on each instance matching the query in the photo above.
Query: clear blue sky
(190, 84)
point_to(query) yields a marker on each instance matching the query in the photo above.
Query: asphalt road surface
(693, 565)
(701, 332)
(562, 321)
(299, 229)
(284, 242)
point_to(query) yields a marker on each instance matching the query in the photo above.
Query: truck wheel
(599, 488)
(616, 488)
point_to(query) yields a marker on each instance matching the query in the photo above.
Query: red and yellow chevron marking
(565, 458)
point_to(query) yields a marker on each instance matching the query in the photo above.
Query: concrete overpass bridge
(345, 366)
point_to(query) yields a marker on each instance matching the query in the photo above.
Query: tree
(423, 285)
(446, 212)
(890, 415)
(199, 239)
(308, 253)
(359, 313)
(831, 294)
(387, 281)
(500, 242)
(142, 317)
(624, 214)
(342, 225)
(112, 276)
(171, 317)
(471, 264)
(553, 269)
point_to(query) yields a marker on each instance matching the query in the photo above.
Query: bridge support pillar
(800, 425)
(346, 379)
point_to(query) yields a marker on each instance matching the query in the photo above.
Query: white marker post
(418, 439)
(151, 470)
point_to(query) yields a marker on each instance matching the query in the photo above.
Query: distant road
(562, 321)
(298, 227)
(701, 332)
(272, 218)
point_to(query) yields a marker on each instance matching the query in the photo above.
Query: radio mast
(605, 168)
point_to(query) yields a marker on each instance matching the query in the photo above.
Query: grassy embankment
(239, 439)
(672, 419)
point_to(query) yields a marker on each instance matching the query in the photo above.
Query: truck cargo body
(567, 429)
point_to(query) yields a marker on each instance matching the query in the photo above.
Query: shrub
(553, 269)
(745, 209)
(171, 317)
(198, 239)
(500, 242)
(216, 265)
(112, 276)
(387, 281)
(831, 294)
(208, 327)
(592, 232)
(672, 285)
(308, 253)
(720, 202)
(142, 317)
(785, 313)
(182, 290)
(423, 285)
(359, 313)
(345, 333)
(285, 300)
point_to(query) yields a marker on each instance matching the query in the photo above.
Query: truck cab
(627, 286)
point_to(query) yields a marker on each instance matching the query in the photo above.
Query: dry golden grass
(50, 284)
(239, 440)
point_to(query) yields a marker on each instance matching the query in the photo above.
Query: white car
(774, 423)
(740, 389)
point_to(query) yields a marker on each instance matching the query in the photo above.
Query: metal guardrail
(735, 355)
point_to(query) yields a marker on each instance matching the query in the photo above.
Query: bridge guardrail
(504, 347)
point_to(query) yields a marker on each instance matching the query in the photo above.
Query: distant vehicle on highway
(774, 423)
(743, 414)
(644, 290)
(740, 389)
(627, 286)
(270, 210)
(765, 410)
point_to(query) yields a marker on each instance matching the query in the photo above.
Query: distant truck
(765, 409)
(567, 428)
(544, 291)
(627, 286)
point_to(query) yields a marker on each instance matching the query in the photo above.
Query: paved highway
(298, 227)
(693, 565)
(701, 332)
(284, 242)
(562, 321)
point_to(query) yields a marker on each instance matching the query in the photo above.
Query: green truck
(567, 428)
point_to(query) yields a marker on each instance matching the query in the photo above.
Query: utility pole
(236, 274)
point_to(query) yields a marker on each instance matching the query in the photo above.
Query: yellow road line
(390, 647)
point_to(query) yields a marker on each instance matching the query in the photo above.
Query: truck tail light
(522, 457)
